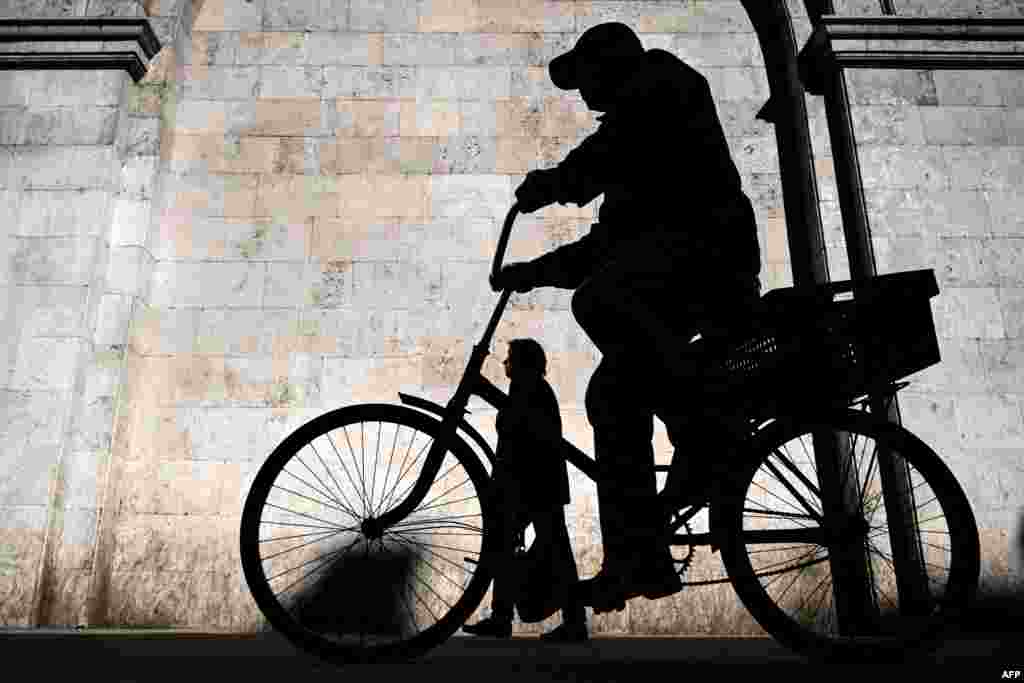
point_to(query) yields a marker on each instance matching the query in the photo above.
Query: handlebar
(506, 230)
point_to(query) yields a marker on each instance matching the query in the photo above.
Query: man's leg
(549, 523)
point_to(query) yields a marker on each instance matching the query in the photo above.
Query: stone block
(130, 222)
(392, 16)
(207, 284)
(538, 16)
(970, 87)
(1000, 259)
(367, 118)
(320, 15)
(892, 124)
(113, 319)
(240, 331)
(705, 49)
(932, 417)
(202, 82)
(208, 48)
(352, 380)
(72, 88)
(972, 312)
(58, 126)
(47, 310)
(448, 16)
(45, 363)
(963, 126)
(905, 167)
(290, 82)
(883, 86)
(661, 17)
(330, 48)
(230, 15)
(486, 49)
(980, 167)
(1007, 209)
(26, 475)
(755, 155)
(295, 116)
(331, 283)
(1011, 305)
(137, 177)
(990, 421)
(90, 168)
(15, 88)
(737, 83)
(65, 260)
(395, 283)
(480, 196)
(739, 118)
(958, 261)
(1003, 360)
(164, 330)
(129, 269)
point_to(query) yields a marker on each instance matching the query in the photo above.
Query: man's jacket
(661, 159)
(536, 470)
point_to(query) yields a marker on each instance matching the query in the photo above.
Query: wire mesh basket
(816, 345)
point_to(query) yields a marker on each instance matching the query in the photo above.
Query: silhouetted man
(674, 253)
(532, 485)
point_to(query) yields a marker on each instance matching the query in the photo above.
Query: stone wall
(297, 211)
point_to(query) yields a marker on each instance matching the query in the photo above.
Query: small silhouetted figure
(674, 254)
(531, 485)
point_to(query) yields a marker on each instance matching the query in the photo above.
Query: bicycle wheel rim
(320, 581)
(789, 584)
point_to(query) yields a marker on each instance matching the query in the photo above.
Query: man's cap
(600, 44)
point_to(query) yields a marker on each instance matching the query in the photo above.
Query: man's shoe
(567, 633)
(490, 627)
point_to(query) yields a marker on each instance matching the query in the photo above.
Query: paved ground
(194, 657)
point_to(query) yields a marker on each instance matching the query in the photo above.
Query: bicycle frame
(473, 383)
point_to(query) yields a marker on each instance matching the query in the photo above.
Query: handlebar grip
(506, 230)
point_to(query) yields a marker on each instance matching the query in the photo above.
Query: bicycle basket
(837, 350)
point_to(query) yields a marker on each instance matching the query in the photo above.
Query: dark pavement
(194, 656)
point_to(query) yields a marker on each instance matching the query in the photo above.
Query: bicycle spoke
(286, 538)
(301, 514)
(329, 473)
(799, 475)
(297, 477)
(426, 446)
(401, 468)
(373, 481)
(437, 478)
(315, 500)
(278, 554)
(288, 571)
(341, 462)
(426, 562)
(387, 472)
(774, 495)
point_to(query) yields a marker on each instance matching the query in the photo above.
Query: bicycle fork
(456, 408)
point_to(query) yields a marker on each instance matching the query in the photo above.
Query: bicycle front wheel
(326, 586)
(881, 569)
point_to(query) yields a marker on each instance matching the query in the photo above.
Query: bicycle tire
(399, 557)
(880, 631)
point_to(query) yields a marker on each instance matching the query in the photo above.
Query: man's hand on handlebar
(518, 276)
(537, 190)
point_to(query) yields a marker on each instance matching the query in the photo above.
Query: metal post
(896, 488)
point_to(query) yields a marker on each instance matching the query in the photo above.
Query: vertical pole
(853, 590)
(895, 479)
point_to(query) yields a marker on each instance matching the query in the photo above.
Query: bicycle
(804, 535)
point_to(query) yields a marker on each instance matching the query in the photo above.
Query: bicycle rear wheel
(841, 588)
(327, 587)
